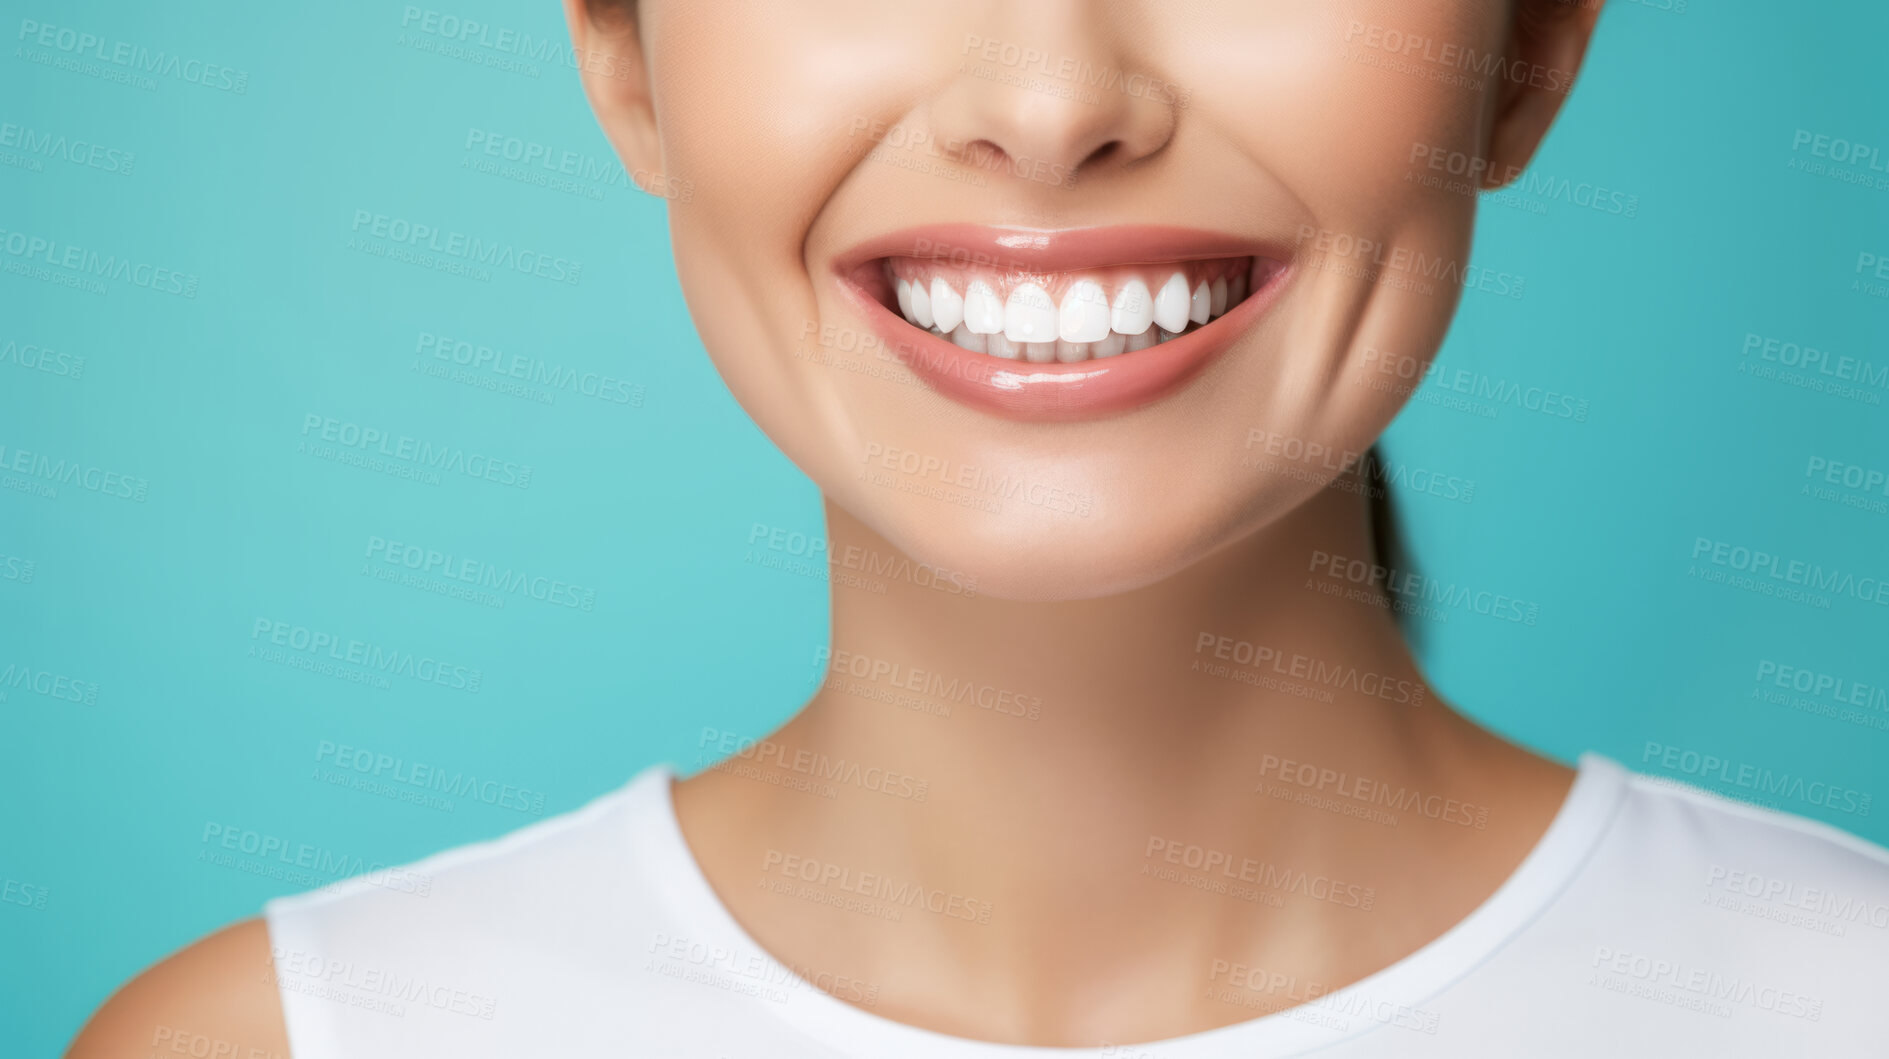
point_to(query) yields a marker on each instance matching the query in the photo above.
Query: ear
(609, 58)
(1547, 41)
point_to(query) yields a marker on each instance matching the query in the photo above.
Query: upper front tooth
(905, 298)
(1085, 313)
(1134, 309)
(1201, 308)
(1029, 315)
(921, 305)
(1171, 305)
(1219, 294)
(947, 309)
(983, 313)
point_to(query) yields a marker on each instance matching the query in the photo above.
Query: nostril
(1102, 153)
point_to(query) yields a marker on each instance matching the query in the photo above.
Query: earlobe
(609, 58)
(1547, 41)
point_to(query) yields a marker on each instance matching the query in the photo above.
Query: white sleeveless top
(1650, 920)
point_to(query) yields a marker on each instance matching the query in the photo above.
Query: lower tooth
(1167, 334)
(1071, 352)
(1136, 343)
(1109, 346)
(1039, 352)
(965, 338)
(998, 346)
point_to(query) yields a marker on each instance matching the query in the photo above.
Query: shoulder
(216, 997)
(1737, 848)
(1697, 895)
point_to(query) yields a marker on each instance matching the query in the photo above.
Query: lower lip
(1088, 389)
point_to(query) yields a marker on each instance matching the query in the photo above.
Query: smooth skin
(1295, 116)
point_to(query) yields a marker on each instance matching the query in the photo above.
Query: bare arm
(216, 997)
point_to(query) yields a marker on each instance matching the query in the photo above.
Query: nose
(1049, 88)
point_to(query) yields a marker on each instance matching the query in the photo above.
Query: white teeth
(1029, 325)
(1133, 312)
(1085, 313)
(921, 305)
(999, 346)
(947, 309)
(983, 313)
(1029, 315)
(1171, 304)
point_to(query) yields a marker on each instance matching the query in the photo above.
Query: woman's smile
(1034, 324)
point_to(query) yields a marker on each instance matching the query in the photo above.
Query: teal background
(649, 505)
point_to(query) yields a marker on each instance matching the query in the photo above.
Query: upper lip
(1045, 250)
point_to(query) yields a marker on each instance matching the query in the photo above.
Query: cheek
(766, 112)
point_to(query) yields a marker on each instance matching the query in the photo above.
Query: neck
(1048, 761)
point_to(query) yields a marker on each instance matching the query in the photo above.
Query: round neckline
(662, 854)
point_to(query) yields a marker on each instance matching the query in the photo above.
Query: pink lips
(1050, 392)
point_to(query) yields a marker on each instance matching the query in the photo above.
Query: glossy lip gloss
(1055, 391)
